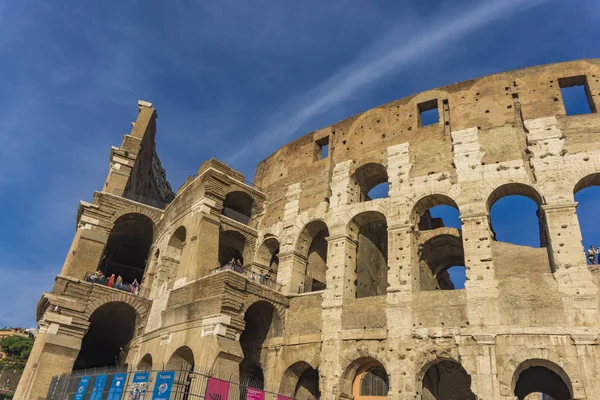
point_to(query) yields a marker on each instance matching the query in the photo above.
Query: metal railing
(92, 277)
(261, 279)
(185, 383)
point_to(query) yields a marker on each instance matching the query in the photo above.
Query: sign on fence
(254, 394)
(217, 389)
(98, 389)
(116, 387)
(82, 388)
(139, 385)
(163, 385)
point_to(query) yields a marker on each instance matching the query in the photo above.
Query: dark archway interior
(145, 363)
(182, 362)
(268, 254)
(176, 244)
(238, 206)
(367, 177)
(262, 322)
(231, 246)
(112, 327)
(436, 256)
(447, 380)
(371, 254)
(312, 243)
(308, 385)
(539, 379)
(127, 247)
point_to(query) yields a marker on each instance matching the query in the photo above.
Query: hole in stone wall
(428, 112)
(514, 219)
(322, 148)
(576, 95)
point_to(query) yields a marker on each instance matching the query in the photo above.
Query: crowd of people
(236, 265)
(593, 255)
(114, 281)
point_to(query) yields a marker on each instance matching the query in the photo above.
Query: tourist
(591, 255)
(111, 280)
(119, 282)
(135, 287)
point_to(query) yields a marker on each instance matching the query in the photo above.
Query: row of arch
(130, 240)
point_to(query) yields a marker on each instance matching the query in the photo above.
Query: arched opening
(587, 193)
(112, 326)
(368, 378)
(301, 382)
(145, 363)
(369, 231)
(231, 247)
(438, 213)
(312, 244)
(516, 216)
(182, 362)
(268, 256)
(262, 322)
(438, 255)
(446, 380)
(176, 244)
(371, 181)
(238, 206)
(127, 247)
(541, 377)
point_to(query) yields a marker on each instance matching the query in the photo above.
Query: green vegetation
(17, 349)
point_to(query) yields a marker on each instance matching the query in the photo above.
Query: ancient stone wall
(525, 313)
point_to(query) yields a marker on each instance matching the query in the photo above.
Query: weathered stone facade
(525, 314)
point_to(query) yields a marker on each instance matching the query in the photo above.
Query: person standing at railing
(119, 282)
(111, 281)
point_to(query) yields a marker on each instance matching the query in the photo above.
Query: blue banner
(98, 389)
(82, 388)
(139, 385)
(163, 385)
(116, 387)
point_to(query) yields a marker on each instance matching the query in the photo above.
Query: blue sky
(230, 79)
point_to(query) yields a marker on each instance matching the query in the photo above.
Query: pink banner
(284, 398)
(217, 389)
(254, 394)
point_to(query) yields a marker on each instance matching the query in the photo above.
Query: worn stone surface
(522, 307)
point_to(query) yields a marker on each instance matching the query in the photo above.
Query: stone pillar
(203, 243)
(292, 271)
(484, 382)
(85, 252)
(570, 267)
(341, 269)
(401, 262)
(342, 190)
(585, 345)
(481, 284)
(52, 354)
(399, 167)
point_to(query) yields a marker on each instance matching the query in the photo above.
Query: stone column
(52, 354)
(585, 345)
(292, 271)
(481, 284)
(484, 383)
(203, 242)
(568, 260)
(341, 276)
(401, 260)
(85, 252)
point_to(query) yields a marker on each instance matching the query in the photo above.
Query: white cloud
(401, 47)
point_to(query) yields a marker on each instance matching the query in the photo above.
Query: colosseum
(302, 286)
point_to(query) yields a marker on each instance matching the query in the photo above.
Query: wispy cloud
(400, 47)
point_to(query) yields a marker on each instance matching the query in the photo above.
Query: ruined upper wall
(496, 105)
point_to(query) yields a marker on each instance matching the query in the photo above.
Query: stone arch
(592, 179)
(419, 216)
(182, 362)
(508, 374)
(232, 244)
(443, 379)
(541, 376)
(154, 216)
(141, 306)
(145, 363)
(351, 372)
(311, 249)
(251, 299)
(368, 230)
(520, 189)
(301, 377)
(267, 255)
(128, 247)
(238, 205)
(366, 177)
(177, 243)
(262, 322)
(112, 326)
(439, 250)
